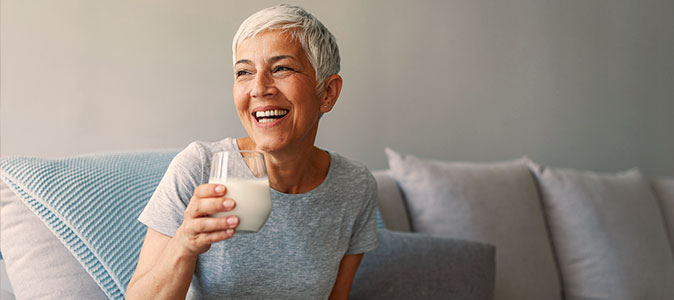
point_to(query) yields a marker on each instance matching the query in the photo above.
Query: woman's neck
(293, 171)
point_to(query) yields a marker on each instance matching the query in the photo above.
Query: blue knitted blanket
(91, 203)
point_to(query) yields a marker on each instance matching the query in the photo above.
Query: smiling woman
(273, 73)
(323, 205)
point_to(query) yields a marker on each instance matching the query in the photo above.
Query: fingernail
(228, 204)
(232, 220)
(219, 189)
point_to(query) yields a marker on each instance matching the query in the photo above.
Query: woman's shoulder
(351, 169)
(200, 152)
(204, 148)
(226, 144)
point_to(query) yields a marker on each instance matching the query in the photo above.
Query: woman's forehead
(271, 44)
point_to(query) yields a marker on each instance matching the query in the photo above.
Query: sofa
(447, 230)
(69, 231)
(559, 233)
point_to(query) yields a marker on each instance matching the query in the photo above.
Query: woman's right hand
(199, 230)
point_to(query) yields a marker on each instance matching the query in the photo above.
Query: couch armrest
(419, 266)
(391, 202)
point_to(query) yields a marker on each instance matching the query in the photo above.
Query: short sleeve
(364, 237)
(165, 210)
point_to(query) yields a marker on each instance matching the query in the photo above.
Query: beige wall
(586, 84)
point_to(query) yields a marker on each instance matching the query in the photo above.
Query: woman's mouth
(268, 116)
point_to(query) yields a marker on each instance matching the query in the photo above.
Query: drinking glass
(244, 175)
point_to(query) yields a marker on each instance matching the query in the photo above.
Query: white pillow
(496, 203)
(608, 234)
(38, 265)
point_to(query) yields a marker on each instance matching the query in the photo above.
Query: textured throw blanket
(91, 203)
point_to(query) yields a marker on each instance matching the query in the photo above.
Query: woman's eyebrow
(273, 59)
(243, 61)
(280, 57)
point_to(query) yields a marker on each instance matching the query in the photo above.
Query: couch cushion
(608, 234)
(418, 266)
(38, 264)
(496, 203)
(91, 204)
(664, 189)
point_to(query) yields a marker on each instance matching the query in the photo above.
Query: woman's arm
(166, 264)
(347, 270)
(164, 271)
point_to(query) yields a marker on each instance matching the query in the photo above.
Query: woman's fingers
(208, 206)
(207, 200)
(200, 242)
(209, 191)
(199, 233)
(213, 237)
(199, 230)
(208, 225)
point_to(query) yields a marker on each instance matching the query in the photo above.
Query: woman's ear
(333, 86)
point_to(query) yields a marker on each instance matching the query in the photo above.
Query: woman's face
(274, 92)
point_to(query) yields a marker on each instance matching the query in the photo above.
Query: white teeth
(270, 113)
(266, 120)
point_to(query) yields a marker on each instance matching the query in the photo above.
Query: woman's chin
(269, 144)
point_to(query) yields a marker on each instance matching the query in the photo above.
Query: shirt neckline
(320, 187)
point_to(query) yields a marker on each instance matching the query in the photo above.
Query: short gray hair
(318, 43)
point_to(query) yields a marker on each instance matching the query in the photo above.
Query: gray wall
(582, 84)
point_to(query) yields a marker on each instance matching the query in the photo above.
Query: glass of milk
(245, 176)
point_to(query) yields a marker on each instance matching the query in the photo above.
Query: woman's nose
(262, 86)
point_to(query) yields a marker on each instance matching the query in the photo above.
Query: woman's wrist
(181, 248)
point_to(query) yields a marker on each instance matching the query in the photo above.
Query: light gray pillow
(418, 266)
(38, 265)
(664, 189)
(496, 203)
(608, 234)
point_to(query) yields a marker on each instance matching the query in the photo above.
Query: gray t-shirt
(296, 255)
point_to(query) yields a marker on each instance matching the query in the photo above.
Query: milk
(253, 202)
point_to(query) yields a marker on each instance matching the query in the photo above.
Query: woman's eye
(241, 73)
(282, 68)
